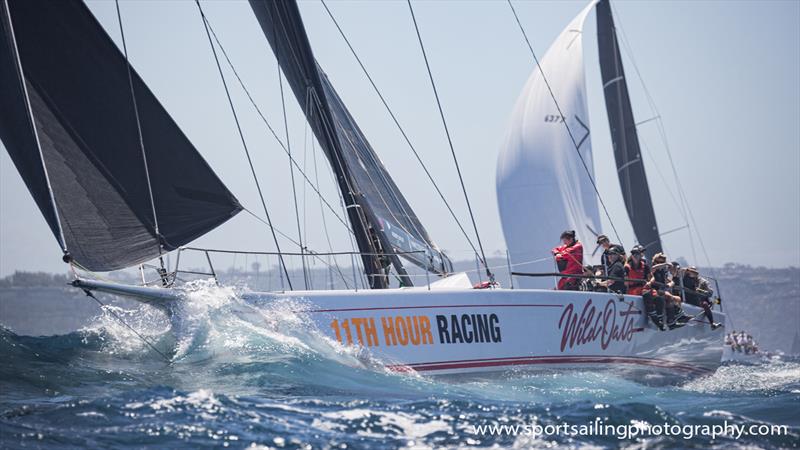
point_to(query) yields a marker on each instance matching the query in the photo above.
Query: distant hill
(38, 279)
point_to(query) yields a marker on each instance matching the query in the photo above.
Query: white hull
(457, 331)
(463, 331)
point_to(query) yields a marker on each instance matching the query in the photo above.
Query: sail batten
(380, 217)
(66, 118)
(624, 135)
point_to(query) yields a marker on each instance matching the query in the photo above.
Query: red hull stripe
(494, 305)
(536, 360)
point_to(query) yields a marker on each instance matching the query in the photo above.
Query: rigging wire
(321, 197)
(61, 240)
(353, 245)
(269, 126)
(283, 235)
(330, 131)
(561, 114)
(322, 214)
(399, 127)
(663, 135)
(244, 143)
(674, 199)
(305, 190)
(305, 186)
(119, 319)
(272, 131)
(450, 143)
(267, 223)
(291, 171)
(385, 183)
(359, 217)
(141, 136)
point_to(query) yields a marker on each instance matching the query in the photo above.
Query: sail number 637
(554, 118)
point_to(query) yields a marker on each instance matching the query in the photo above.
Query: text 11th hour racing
(417, 330)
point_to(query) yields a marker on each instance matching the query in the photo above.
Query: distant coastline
(730, 272)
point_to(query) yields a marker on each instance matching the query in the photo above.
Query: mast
(380, 217)
(624, 136)
(284, 29)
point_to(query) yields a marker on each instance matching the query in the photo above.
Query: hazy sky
(725, 77)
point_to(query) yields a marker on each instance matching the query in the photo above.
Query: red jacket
(640, 272)
(572, 255)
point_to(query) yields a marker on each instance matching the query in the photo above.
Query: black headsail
(67, 119)
(380, 216)
(628, 156)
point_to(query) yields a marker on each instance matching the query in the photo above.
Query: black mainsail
(627, 153)
(68, 122)
(380, 216)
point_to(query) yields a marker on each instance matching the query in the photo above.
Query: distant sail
(380, 216)
(542, 186)
(628, 156)
(66, 112)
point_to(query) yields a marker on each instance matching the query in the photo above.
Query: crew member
(636, 269)
(592, 282)
(657, 298)
(679, 317)
(676, 272)
(729, 341)
(616, 272)
(698, 293)
(603, 241)
(569, 259)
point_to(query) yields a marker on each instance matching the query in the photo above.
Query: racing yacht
(120, 185)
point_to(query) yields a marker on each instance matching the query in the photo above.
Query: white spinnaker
(542, 186)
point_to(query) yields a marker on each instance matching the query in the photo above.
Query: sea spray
(123, 331)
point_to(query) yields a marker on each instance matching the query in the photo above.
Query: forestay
(67, 117)
(542, 186)
(381, 218)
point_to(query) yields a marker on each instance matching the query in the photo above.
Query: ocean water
(229, 374)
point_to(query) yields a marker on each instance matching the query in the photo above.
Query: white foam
(737, 378)
(393, 423)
